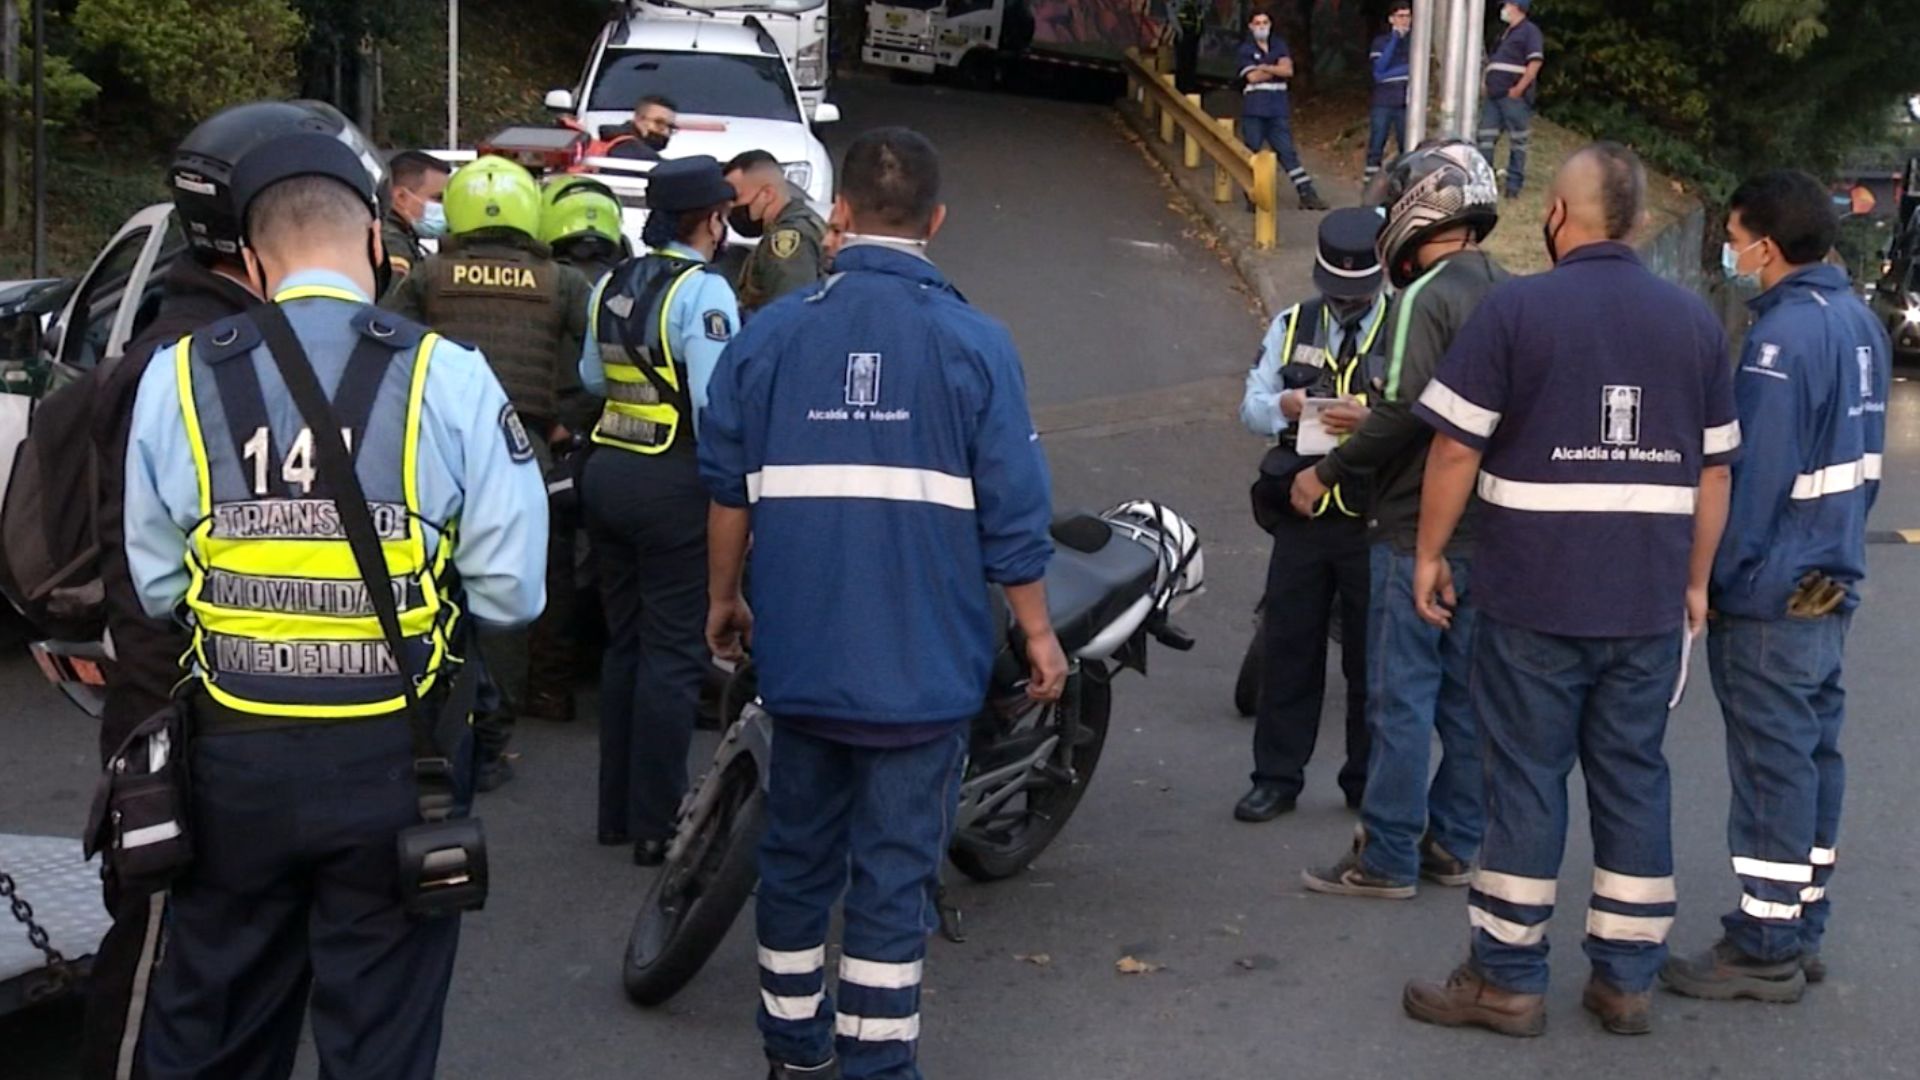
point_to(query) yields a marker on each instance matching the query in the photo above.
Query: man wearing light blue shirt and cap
(659, 323)
(306, 767)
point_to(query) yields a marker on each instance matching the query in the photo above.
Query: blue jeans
(1385, 120)
(1416, 686)
(1778, 681)
(1514, 117)
(887, 814)
(1259, 132)
(1544, 702)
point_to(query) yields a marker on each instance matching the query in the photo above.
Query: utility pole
(1474, 48)
(453, 74)
(1450, 56)
(1419, 73)
(10, 120)
(40, 138)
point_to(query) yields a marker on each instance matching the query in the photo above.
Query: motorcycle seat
(1095, 576)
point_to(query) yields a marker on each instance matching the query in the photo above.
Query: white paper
(1314, 439)
(1686, 661)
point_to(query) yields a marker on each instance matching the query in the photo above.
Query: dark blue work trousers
(1544, 703)
(873, 823)
(292, 907)
(1778, 681)
(647, 516)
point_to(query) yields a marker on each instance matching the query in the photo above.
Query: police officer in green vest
(495, 286)
(1317, 370)
(660, 322)
(580, 223)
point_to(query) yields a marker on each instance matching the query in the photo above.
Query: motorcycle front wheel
(695, 899)
(1004, 846)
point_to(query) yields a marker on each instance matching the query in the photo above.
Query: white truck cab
(734, 88)
(797, 27)
(924, 36)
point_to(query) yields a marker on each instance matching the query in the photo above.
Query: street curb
(1278, 278)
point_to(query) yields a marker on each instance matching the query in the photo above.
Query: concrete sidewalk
(1282, 276)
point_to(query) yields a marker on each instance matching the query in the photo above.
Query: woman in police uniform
(659, 324)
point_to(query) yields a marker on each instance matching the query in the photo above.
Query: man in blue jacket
(872, 434)
(1392, 69)
(1812, 389)
(1266, 116)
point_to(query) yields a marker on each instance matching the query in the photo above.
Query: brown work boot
(1724, 973)
(1467, 1000)
(1620, 1012)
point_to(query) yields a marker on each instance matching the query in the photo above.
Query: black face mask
(742, 220)
(1346, 312)
(1550, 233)
(655, 139)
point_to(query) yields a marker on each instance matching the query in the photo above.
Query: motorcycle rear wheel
(1001, 852)
(694, 901)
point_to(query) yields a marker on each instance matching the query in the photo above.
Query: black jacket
(147, 651)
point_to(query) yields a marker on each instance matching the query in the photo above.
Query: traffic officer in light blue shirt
(1591, 408)
(1812, 388)
(1510, 82)
(659, 324)
(1266, 117)
(1331, 348)
(302, 757)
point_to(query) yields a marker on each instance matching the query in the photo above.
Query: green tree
(1714, 89)
(194, 57)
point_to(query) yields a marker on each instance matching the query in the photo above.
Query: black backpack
(49, 539)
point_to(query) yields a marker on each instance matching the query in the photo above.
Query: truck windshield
(709, 84)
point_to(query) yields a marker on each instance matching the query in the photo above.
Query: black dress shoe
(1264, 803)
(650, 852)
(614, 838)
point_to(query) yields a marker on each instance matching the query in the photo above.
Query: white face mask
(1262, 33)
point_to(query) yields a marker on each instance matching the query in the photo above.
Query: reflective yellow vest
(648, 394)
(283, 623)
(1327, 376)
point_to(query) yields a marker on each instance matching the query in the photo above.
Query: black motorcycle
(1113, 583)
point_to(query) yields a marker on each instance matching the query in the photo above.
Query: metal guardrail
(1152, 88)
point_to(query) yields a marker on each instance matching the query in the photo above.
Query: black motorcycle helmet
(201, 176)
(1436, 186)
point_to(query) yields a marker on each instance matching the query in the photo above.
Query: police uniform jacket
(468, 474)
(788, 257)
(500, 291)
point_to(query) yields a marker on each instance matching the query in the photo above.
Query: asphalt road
(1132, 335)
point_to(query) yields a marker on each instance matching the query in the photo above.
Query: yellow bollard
(1223, 180)
(1266, 177)
(1166, 114)
(1192, 159)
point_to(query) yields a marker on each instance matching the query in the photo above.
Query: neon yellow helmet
(580, 211)
(560, 185)
(492, 193)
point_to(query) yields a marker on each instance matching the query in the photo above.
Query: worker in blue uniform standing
(1266, 117)
(659, 324)
(303, 754)
(1591, 409)
(1391, 54)
(873, 434)
(1329, 348)
(1812, 388)
(1511, 84)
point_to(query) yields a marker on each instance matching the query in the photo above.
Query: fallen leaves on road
(1128, 965)
(1038, 959)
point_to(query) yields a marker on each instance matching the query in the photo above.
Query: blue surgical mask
(433, 221)
(1730, 263)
